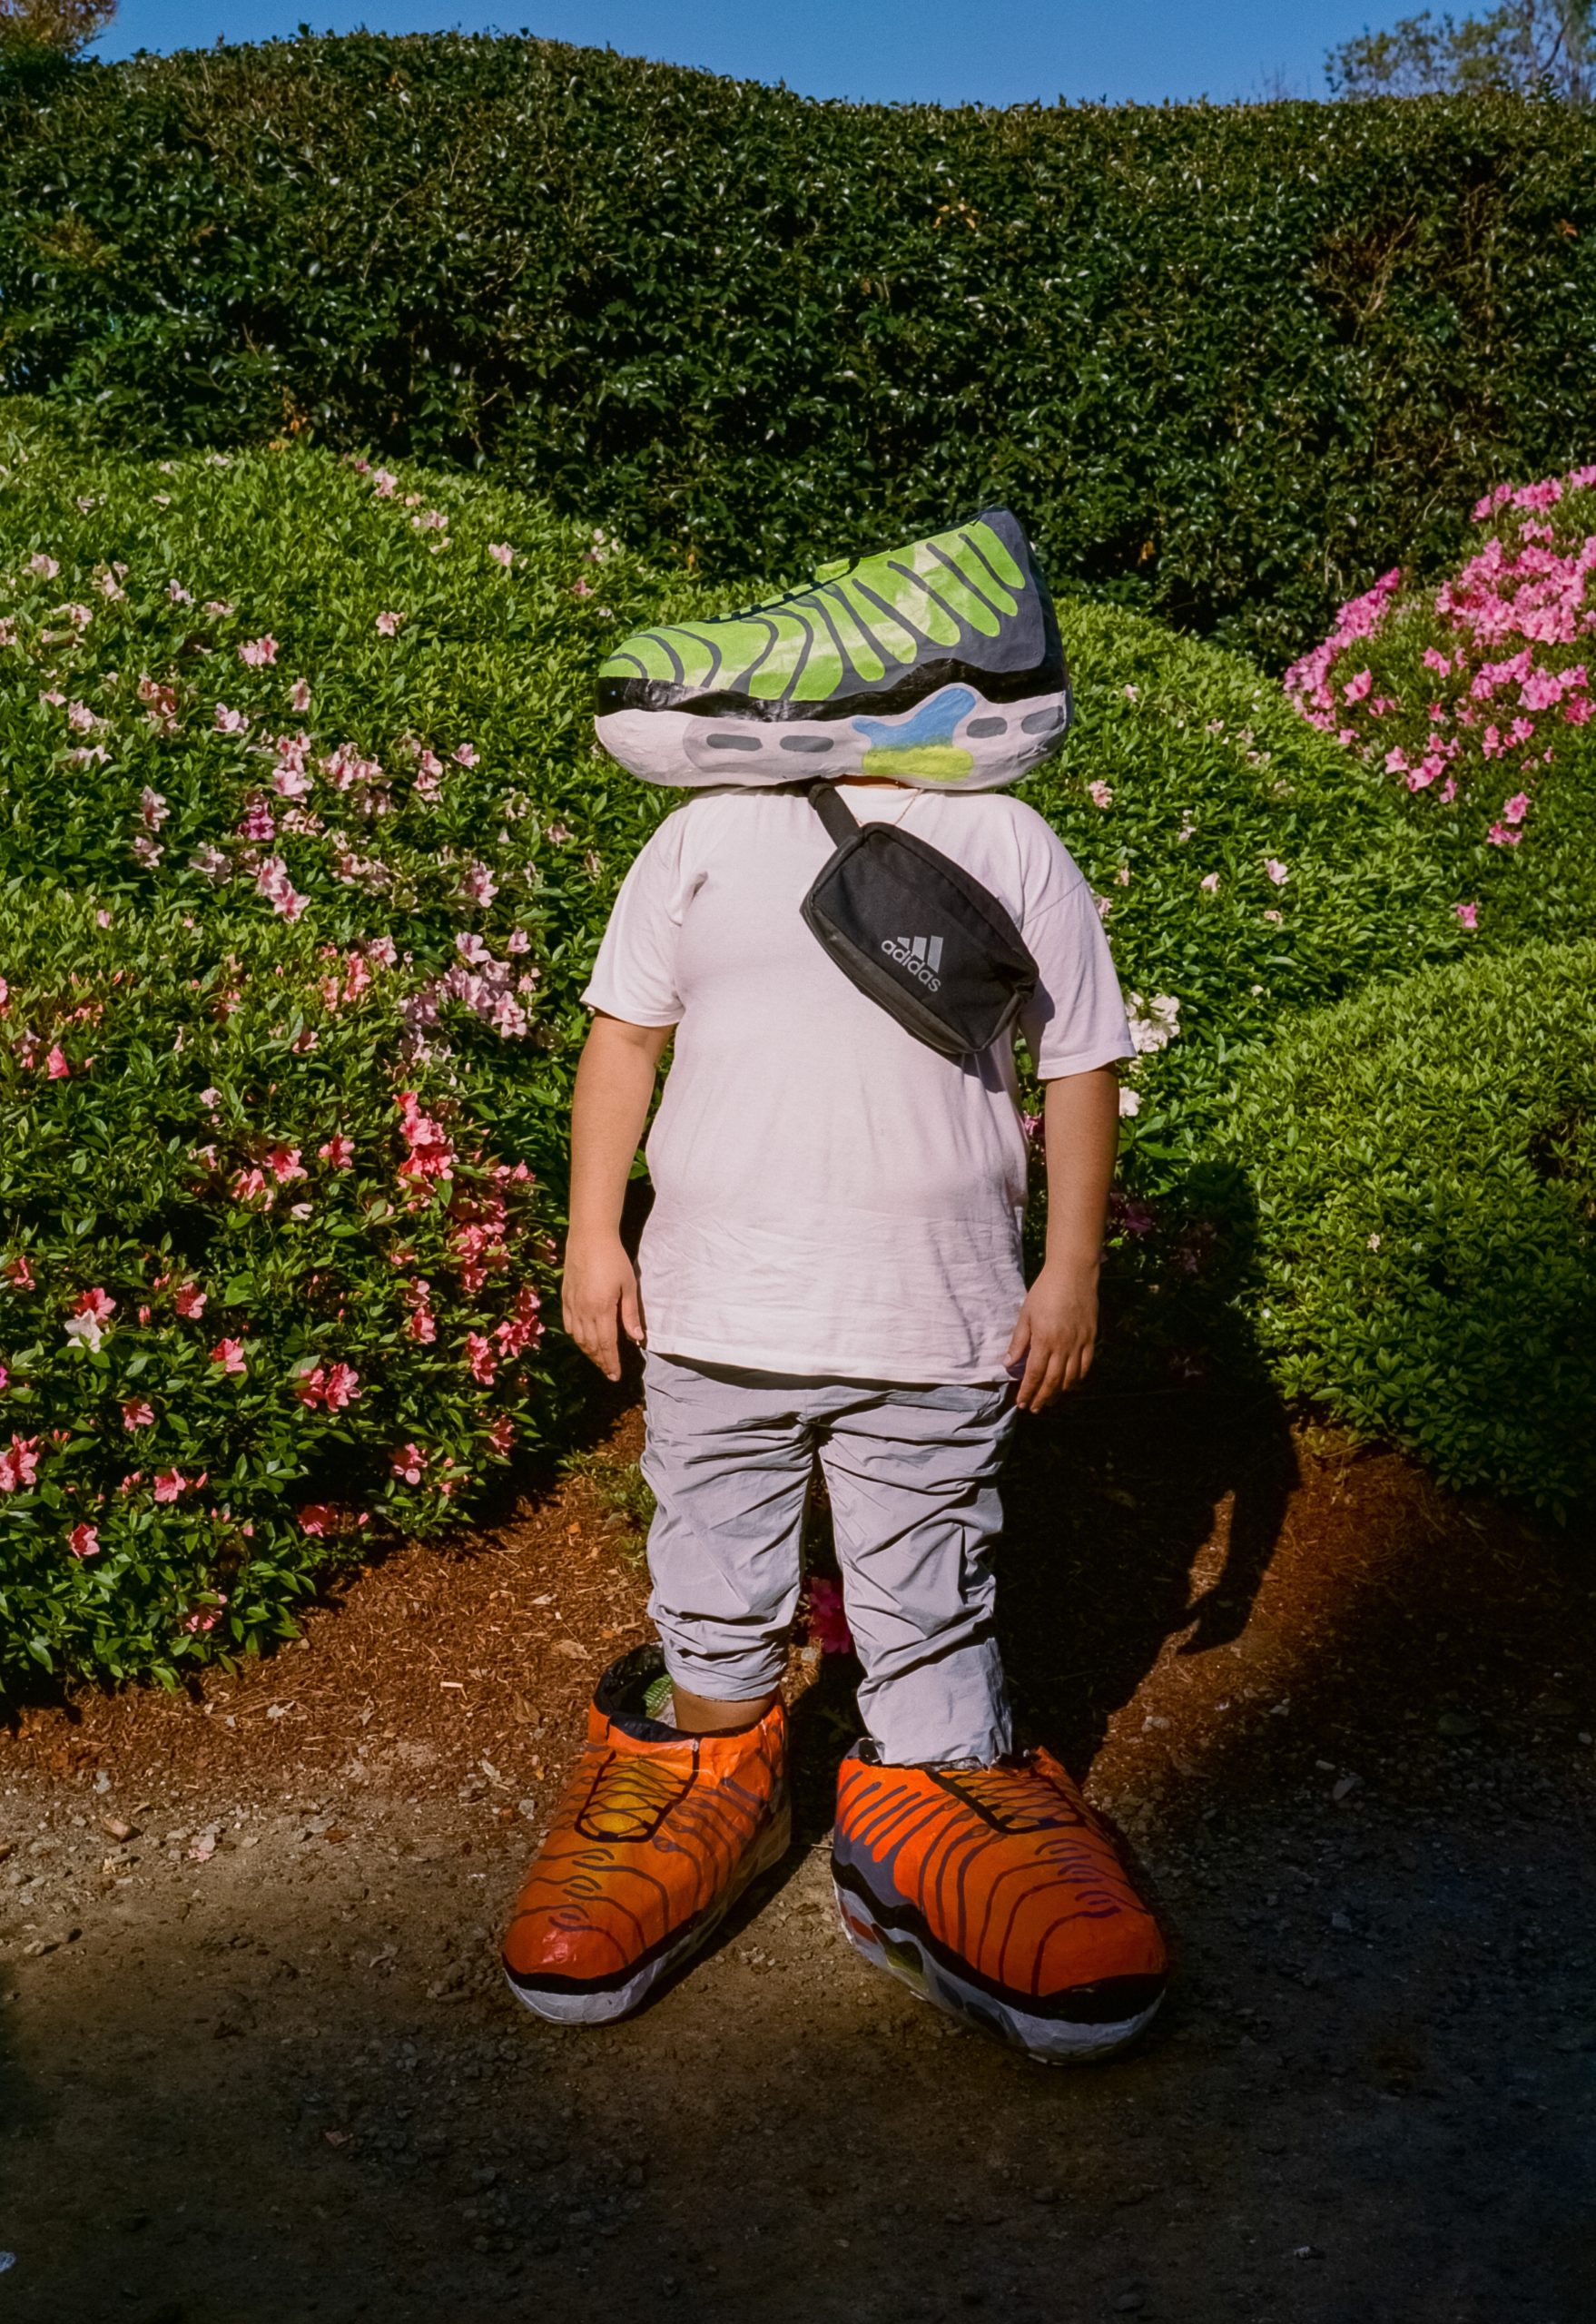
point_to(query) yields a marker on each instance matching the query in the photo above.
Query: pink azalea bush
(272, 1287)
(1469, 696)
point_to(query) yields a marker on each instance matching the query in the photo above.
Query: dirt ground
(258, 2064)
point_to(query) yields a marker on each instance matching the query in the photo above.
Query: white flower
(1129, 1101)
(1154, 1023)
(85, 1330)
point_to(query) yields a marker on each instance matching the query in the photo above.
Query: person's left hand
(1053, 1341)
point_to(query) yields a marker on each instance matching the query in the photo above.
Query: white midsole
(694, 752)
(873, 1935)
(602, 2007)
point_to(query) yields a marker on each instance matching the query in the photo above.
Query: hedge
(1229, 363)
(1423, 1164)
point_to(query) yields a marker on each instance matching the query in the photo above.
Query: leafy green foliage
(268, 1288)
(1424, 1163)
(1228, 363)
(1248, 868)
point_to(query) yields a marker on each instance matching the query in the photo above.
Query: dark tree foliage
(1228, 363)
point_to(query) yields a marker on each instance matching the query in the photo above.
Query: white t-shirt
(831, 1199)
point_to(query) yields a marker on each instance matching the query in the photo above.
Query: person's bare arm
(615, 1082)
(1058, 1326)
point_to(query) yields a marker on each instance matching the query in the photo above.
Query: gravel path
(258, 2063)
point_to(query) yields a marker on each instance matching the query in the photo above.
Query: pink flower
(581, 588)
(502, 1435)
(431, 1154)
(480, 1355)
(408, 1462)
(1515, 809)
(317, 1518)
(230, 1355)
(332, 1386)
(338, 1151)
(178, 595)
(1209, 884)
(97, 1303)
(231, 721)
(1099, 794)
(19, 1274)
(384, 483)
(298, 694)
(1276, 872)
(283, 1162)
(201, 1619)
(1439, 663)
(189, 1300)
(83, 1541)
(388, 624)
(256, 822)
(1356, 688)
(1499, 836)
(420, 1324)
(826, 1620)
(136, 1412)
(45, 567)
(501, 552)
(169, 1483)
(19, 1464)
(1468, 915)
(467, 755)
(272, 881)
(258, 651)
(55, 1064)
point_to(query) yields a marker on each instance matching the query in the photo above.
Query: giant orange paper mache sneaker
(997, 1895)
(657, 1836)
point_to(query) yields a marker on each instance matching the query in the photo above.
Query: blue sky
(993, 52)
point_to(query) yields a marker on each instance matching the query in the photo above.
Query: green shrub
(440, 784)
(1229, 362)
(1248, 868)
(1424, 1163)
(268, 1286)
(1476, 698)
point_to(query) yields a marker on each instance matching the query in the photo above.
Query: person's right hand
(599, 1285)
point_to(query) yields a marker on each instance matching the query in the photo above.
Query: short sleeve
(1076, 1018)
(635, 975)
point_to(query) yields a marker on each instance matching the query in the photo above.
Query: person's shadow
(1176, 1454)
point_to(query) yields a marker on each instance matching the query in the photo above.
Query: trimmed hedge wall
(1227, 362)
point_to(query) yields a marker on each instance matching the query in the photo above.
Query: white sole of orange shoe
(1051, 2040)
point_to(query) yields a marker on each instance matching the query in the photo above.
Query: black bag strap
(834, 812)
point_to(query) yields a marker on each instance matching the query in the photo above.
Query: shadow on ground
(1345, 1721)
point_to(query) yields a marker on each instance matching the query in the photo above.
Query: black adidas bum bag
(916, 933)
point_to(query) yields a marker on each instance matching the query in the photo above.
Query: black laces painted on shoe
(632, 1795)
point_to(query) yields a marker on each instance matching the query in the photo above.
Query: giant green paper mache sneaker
(938, 665)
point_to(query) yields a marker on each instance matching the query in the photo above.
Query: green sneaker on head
(937, 663)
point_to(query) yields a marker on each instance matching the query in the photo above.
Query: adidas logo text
(920, 955)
